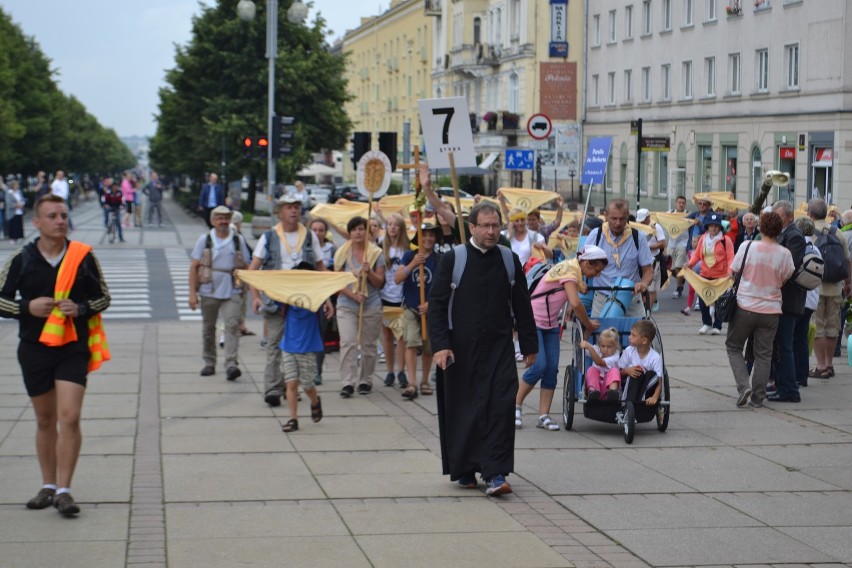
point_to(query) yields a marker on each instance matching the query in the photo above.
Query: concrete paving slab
(831, 417)
(790, 509)
(333, 424)
(93, 524)
(311, 437)
(223, 435)
(834, 541)
(532, 438)
(90, 427)
(98, 479)
(125, 385)
(84, 554)
(812, 455)
(211, 405)
(647, 436)
(14, 401)
(723, 469)
(92, 445)
(237, 477)
(385, 517)
(255, 520)
(585, 472)
(6, 428)
(362, 462)
(333, 405)
(296, 552)
(785, 434)
(680, 510)
(194, 387)
(837, 477)
(13, 413)
(472, 549)
(396, 485)
(111, 405)
(695, 547)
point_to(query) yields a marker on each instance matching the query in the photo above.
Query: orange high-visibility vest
(59, 329)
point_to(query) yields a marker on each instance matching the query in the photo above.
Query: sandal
(316, 411)
(291, 426)
(829, 371)
(425, 389)
(410, 392)
(547, 423)
(246, 332)
(817, 373)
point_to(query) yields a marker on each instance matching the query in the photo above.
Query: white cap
(641, 215)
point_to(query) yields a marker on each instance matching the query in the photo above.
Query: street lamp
(296, 14)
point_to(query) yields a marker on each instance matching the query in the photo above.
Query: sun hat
(713, 219)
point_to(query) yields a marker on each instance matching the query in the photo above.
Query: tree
(217, 92)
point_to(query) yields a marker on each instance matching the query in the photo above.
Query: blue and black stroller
(628, 411)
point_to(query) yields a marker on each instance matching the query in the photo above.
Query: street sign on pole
(594, 169)
(539, 126)
(519, 159)
(656, 144)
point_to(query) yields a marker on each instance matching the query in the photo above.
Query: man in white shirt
(60, 187)
(657, 244)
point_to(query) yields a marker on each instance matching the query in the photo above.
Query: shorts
(679, 257)
(827, 316)
(411, 332)
(42, 366)
(300, 367)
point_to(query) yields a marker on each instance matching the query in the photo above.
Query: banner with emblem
(674, 224)
(306, 289)
(526, 199)
(393, 320)
(339, 214)
(707, 290)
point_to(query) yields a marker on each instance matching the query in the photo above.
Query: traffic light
(262, 148)
(283, 136)
(361, 142)
(248, 147)
(387, 145)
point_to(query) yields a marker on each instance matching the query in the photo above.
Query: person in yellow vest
(62, 293)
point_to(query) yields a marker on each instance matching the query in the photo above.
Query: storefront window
(705, 168)
(823, 163)
(756, 172)
(730, 153)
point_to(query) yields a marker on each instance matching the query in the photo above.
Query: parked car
(317, 194)
(447, 192)
(345, 191)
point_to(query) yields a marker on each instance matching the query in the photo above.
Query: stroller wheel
(629, 422)
(568, 397)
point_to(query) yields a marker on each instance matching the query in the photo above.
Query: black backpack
(833, 256)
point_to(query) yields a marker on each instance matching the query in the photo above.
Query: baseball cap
(642, 215)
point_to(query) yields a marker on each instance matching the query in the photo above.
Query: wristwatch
(82, 309)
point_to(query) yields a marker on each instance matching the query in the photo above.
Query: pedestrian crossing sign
(519, 159)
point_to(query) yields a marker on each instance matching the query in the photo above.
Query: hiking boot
(207, 371)
(234, 373)
(66, 506)
(43, 499)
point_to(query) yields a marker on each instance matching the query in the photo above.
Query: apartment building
(740, 88)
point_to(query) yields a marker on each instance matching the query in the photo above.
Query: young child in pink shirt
(603, 374)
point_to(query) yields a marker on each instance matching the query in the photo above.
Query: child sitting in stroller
(604, 373)
(641, 363)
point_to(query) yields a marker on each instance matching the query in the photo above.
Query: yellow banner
(393, 320)
(707, 290)
(675, 224)
(339, 214)
(526, 199)
(306, 289)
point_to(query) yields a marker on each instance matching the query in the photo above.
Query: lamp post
(295, 14)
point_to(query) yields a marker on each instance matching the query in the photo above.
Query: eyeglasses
(489, 226)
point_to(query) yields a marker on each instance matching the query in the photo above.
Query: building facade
(740, 88)
(388, 71)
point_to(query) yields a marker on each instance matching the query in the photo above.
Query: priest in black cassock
(476, 390)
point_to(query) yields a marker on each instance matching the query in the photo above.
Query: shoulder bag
(726, 305)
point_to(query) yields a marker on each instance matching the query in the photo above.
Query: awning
(481, 170)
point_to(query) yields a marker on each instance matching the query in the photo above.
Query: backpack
(833, 256)
(534, 276)
(205, 267)
(459, 263)
(810, 273)
(635, 237)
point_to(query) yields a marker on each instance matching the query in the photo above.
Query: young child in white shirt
(642, 364)
(604, 374)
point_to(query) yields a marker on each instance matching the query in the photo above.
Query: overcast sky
(112, 54)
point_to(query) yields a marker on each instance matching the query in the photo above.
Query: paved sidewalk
(181, 470)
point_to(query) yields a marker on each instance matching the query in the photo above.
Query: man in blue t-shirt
(409, 276)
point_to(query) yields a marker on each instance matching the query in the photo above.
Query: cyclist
(112, 203)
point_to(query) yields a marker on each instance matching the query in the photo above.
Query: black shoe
(208, 370)
(364, 388)
(389, 379)
(234, 373)
(402, 378)
(43, 499)
(347, 391)
(66, 506)
(272, 400)
(779, 398)
(802, 383)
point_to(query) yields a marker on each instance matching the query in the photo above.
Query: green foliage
(217, 93)
(41, 128)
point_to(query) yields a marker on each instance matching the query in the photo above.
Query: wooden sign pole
(424, 333)
(459, 218)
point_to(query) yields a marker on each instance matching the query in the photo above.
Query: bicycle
(112, 225)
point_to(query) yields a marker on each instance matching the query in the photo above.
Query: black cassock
(476, 395)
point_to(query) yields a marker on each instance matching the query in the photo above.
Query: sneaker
(233, 373)
(389, 379)
(677, 294)
(364, 388)
(686, 311)
(545, 422)
(207, 371)
(467, 482)
(770, 387)
(742, 400)
(347, 391)
(263, 342)
(755, 404)
(715, 331)
(704, 329)
(66, 506)
(656, 307)
(272, 399)
(43, 499)
(519, 421)
(593, 395)
(519, 356)
(221, 341)
(402, 379)
(382, 358)
(498, 485)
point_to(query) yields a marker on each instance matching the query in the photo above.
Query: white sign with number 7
(446, 128)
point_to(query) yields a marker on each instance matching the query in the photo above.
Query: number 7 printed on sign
(446, 129)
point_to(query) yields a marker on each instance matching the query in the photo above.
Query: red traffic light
(247, 142)
(263, 142)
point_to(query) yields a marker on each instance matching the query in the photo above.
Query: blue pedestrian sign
(594, 169)
(519, 159)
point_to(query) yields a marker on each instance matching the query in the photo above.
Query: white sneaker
(677, 294)
(519, 422)
(715, 331)
(704, 329)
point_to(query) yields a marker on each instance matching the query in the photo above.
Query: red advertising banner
(824, 155)
(787, 153)
(558, 98)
